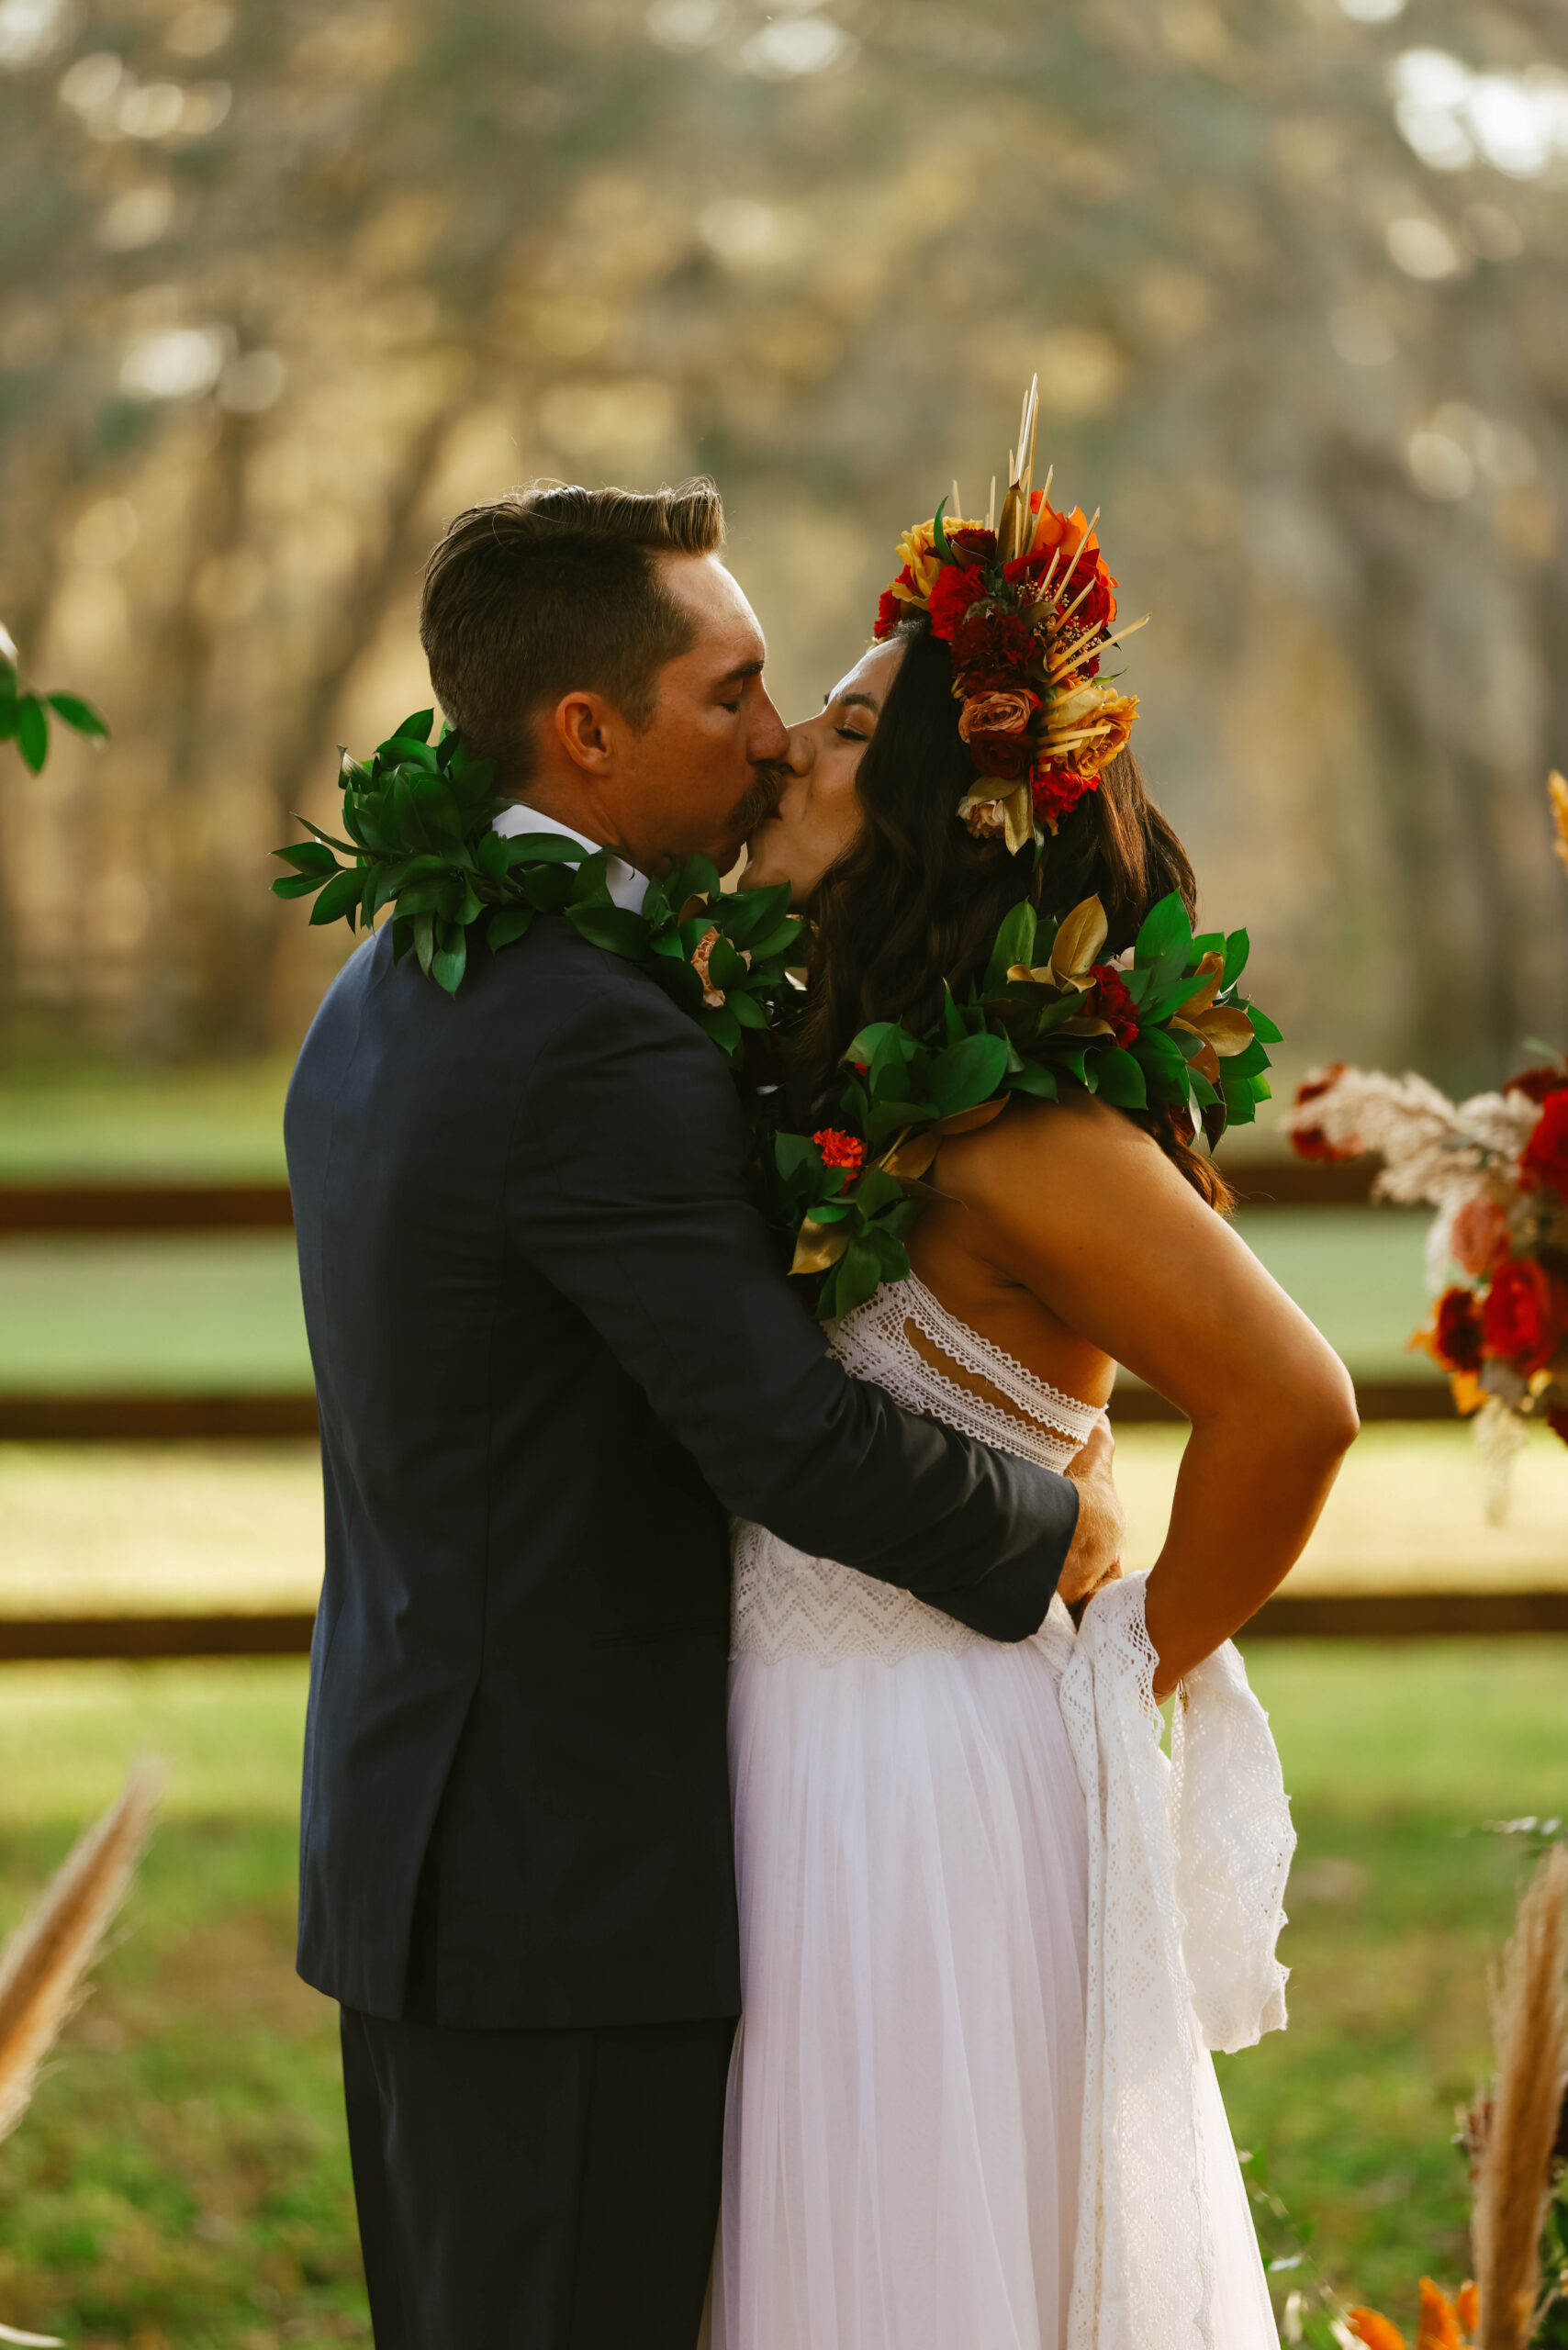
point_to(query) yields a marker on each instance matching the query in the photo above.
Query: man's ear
(586, 727)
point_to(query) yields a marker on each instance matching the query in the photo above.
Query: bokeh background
(286, 286)
(283, 286)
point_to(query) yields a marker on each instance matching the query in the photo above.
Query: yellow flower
(917, 554)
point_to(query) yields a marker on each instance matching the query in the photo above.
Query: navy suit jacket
(554, 1354)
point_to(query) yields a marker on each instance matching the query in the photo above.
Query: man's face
(708, 767)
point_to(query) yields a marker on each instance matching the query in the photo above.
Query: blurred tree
(285, 287)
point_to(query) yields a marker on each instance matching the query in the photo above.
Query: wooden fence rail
(1399, 1615)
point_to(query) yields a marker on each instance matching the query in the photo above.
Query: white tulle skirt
(903, 2145)
(902, 2151)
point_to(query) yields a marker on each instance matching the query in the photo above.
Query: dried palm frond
(1557, 790)
(1513, 2142)
(43, 1966)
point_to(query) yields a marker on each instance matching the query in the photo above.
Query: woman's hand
(1083, 1209)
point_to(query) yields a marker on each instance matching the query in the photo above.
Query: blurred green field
(222, 1309)
(181, 2182)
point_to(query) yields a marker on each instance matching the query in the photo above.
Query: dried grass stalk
(1511, 2175)
(44, 1964)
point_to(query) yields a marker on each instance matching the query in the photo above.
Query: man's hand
(1095, 1557)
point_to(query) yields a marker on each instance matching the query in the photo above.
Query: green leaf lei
(421, 840)
(1168, 1028)
(1172, 1029)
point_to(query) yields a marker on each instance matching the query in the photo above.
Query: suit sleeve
(628, 1191)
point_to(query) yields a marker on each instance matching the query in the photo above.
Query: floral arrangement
(1495, 1167)
(1165, 1026)
(421, 820)
(25, 715)
(1027, 606)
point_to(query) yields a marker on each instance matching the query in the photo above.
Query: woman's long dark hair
(916, 900)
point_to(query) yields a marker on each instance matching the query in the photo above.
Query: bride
(986, 1937)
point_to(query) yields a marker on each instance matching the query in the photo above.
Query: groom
(554, 1352)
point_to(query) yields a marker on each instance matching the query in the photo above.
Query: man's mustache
(761, 795)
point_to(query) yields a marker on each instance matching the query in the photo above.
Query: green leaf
(339, 899)
(509, 926)
(298, 885)
(860, 1276)
(1263, 1027)
(78, 713)
(1015, 943)
(612, 927)
(32, 731)
(967, 1073)
(415, 730)
(539, 848)
(402, 937)
(308, 856)
(1164, 926)
(424, 940)
(776, 942)
(893, 1257)
(1120, 1080)
(449, 959)
(792, 1153)
(876, 1189)
(1032, 1078)
(939, 536)
(1237, 948)
(725, 969)
(723, 1026)
(747, 1010)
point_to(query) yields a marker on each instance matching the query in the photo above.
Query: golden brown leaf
(1075, 950)
(818, 1246)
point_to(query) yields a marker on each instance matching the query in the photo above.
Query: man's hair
(553, 590)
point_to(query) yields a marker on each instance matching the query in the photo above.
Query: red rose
(1557, 1421)
(958, 586)
(1006, 756)
(1057, 791)
(992, 650)
(1539, 1082)
(1456, 1331)
(1109, 1000)
(1311, 1142)
(979, 545)
(1545, 1159)
(1524, 1315)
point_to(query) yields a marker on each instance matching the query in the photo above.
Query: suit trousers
(537, 2190)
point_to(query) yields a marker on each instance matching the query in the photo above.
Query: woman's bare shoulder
(1076, 1148)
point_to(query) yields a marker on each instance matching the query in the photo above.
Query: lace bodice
(789, 1605)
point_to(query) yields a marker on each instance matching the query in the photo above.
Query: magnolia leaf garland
(1166, 1027)
(421, 821)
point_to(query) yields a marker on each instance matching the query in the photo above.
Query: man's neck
(576, 811)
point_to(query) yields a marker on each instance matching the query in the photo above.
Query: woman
(918, 2109)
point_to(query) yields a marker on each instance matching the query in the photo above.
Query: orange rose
(998, 713)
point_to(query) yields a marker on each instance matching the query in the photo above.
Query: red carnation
(891, 609)
(1005, 757)
(1456, 1330)
(1538, 1083)
(958, 586)
(1057, 791)
(1545, 1159)
(1526, 1315)
(979, 545)
(992, 650)
(839, 1149)
(1311, 1142)
(1109, 1000)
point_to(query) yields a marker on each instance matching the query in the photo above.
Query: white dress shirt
(626, 884)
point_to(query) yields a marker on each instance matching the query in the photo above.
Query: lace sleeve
(1186, 1873)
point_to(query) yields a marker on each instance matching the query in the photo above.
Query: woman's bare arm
(1081, 1208)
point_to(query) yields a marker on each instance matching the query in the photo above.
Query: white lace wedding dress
(989, 1935)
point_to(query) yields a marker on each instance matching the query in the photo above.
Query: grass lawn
(181, 2182)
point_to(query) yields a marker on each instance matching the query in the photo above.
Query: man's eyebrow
(855, 701)
(742, 670)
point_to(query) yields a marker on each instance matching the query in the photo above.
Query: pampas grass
(1512, 2133)
(44, 1965)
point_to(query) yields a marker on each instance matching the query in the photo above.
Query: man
(553, 1351)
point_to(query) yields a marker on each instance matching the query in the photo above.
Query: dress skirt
(906, 2094)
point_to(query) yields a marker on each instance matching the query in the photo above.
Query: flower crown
(1027, 606)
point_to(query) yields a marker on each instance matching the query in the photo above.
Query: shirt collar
(627, 887)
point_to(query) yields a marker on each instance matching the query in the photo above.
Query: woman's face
(819, 814)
